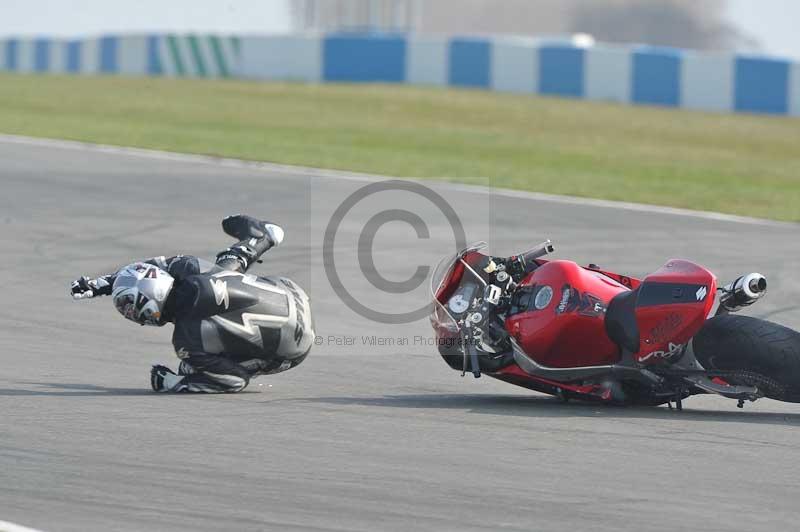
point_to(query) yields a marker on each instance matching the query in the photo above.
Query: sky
(771, 22)
(81, 17)
(774, 23)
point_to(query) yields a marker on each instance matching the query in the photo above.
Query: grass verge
(746, 165)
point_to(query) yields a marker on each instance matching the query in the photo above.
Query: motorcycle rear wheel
(751, 345)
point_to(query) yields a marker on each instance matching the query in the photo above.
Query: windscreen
(453, 283)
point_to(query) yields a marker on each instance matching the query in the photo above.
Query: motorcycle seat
(620, 321)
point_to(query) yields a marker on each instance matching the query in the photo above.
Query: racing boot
(163, 380)
(256, 237)
(243, 227)
(184, 368)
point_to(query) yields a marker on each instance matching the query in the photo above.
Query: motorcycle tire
(752, 346)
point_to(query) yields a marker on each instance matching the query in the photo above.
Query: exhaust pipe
(743, 292)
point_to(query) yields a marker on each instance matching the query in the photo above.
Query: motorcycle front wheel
(750, 348)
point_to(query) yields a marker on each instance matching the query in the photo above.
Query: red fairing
(570, 330)
(626, 281)
(672, 306)
(561, 316)
(516, 375)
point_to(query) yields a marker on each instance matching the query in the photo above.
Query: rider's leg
(256, 237)
(217, 374)
(202, 373)
(273, 366)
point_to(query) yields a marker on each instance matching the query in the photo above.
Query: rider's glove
(85, 287)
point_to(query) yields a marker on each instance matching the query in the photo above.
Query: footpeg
(742, 393)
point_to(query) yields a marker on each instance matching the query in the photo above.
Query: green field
(737, 164)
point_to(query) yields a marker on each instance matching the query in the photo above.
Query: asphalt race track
(360, 437)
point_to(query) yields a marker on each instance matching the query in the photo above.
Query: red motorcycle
(584, 333)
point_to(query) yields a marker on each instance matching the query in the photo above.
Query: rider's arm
(85, 287)
(179, 266)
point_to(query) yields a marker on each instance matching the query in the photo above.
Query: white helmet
(140, 291)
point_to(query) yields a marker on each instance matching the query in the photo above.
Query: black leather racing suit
(229, 325)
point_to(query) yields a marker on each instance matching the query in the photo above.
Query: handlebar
(545, 248)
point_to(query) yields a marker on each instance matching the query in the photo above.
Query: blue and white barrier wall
(626, 74)
(134, 55)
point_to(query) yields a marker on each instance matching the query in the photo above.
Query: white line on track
(5, 526)
(355, 176)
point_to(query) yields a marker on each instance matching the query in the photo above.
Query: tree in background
(699, 24)
(523, 17)
(375, 15)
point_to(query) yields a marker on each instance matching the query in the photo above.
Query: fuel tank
(558, 316)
